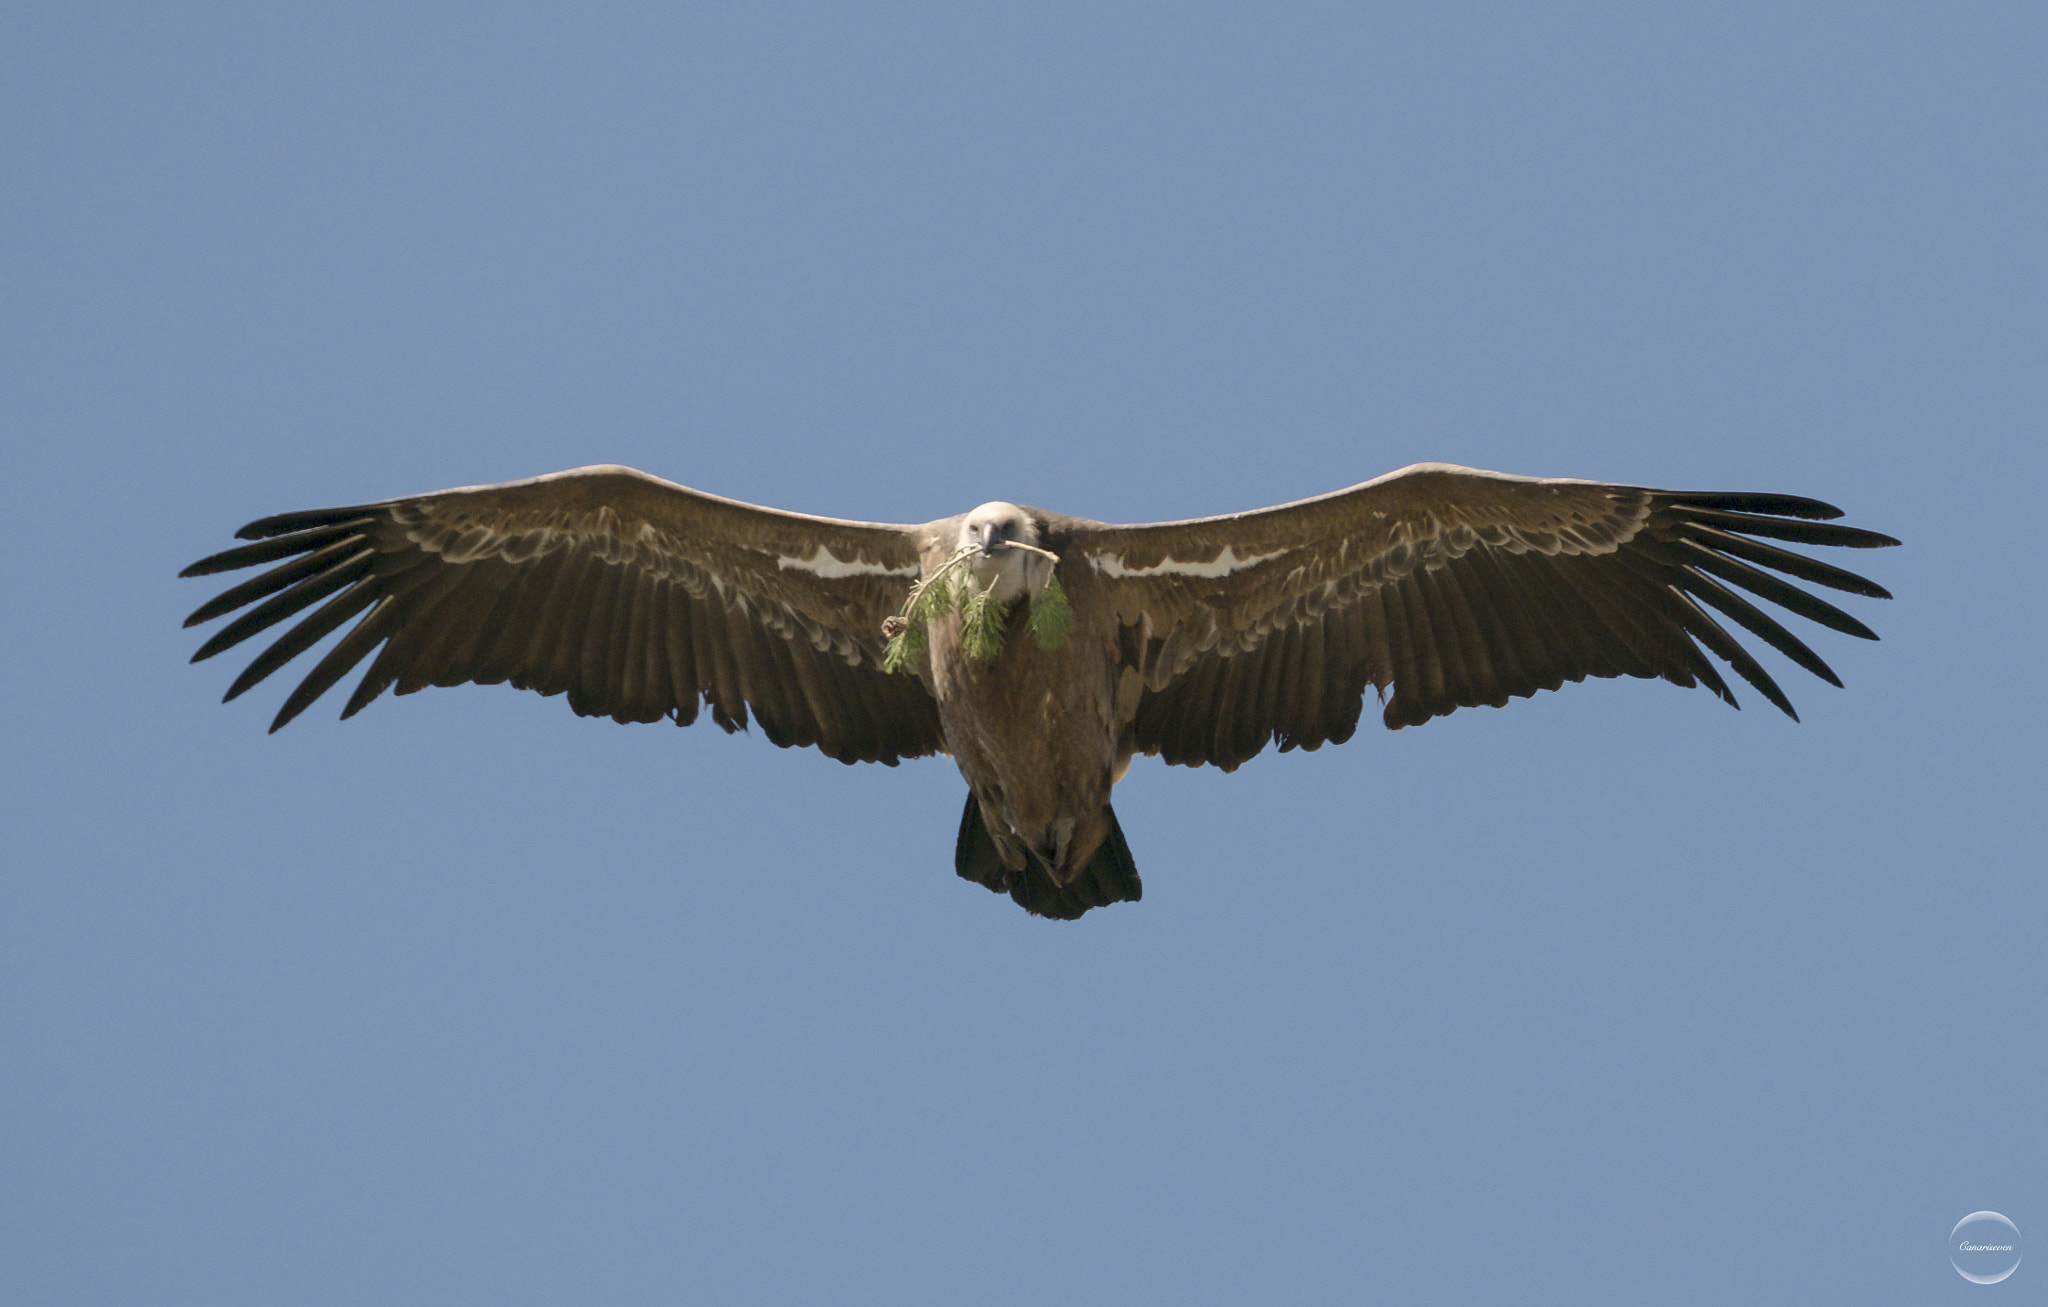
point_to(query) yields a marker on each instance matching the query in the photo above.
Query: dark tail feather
(1109, 877)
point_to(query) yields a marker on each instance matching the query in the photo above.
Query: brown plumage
(1200, 641)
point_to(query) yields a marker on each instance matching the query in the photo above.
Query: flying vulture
(1042, 652)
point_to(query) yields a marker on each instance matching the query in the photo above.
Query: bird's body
(1035, 734)
(1198, 641)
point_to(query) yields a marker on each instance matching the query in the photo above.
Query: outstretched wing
(1453, 586)
(635, 596)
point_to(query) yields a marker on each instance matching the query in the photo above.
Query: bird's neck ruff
(953, 588)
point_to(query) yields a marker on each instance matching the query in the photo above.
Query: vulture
(1041, 652)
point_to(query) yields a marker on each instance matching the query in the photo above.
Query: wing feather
(1486, 605)
(1784, 560)
(637, 598)
(1363, 662)
(1265, 712)
(1758, 622)
(1461, 652)
(684, 675)
(1450, 587)
(277, 578)
(1597, 649)
(1541, 655)
(396, 664)
(1763, 584)
(595, 640)
(1612, 639)
(347, 569)
(1402, 666)
(1313, 685)
(639, 656)
(462, 621)
(766, 685)
(714, 654)
(1805, 533)
(300, 638)
(230, 560)
(338, 662)
(1238, 731)
(513, 636)
(487, 660)
(1701, 625)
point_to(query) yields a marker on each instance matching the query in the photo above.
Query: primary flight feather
(1042, 652)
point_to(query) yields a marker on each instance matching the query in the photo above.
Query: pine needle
(931, 599)
(1052, 617)
(905, 649)
(981, 624)
(981, 619)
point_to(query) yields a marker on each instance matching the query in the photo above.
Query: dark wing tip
(1745, 501)
(279, 545)
(224, 561)
(263, 528)
(1718, 533)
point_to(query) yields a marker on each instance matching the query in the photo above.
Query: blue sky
(1613, 996)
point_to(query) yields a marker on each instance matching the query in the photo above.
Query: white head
(990, 531)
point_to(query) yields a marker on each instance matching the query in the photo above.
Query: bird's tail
(1109, 877)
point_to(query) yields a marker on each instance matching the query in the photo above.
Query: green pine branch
(981, 619)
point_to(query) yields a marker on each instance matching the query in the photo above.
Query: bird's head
(990, 534)
(989, 528)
